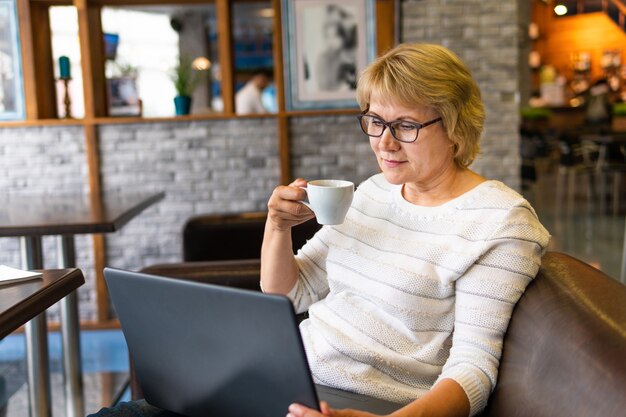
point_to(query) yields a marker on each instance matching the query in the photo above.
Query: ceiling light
(268, 12)
(201, 64)
(560, 9)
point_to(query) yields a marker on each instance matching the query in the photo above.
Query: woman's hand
(279, 272)
(297, 410)
(285, 209)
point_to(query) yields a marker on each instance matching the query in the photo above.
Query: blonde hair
(431, 76)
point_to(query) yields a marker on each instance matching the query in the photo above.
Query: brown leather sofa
(233, 236)
(564, 352)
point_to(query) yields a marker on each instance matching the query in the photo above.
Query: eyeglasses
(401, 130)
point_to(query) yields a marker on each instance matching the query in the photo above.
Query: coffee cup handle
(306, 201)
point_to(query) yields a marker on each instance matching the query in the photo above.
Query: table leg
(38, 371)
(36, 339)
(31, 252)
(70, 333)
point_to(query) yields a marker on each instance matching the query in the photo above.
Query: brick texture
(47, 161)
(217, 166)
(484, 33)
(330, 147)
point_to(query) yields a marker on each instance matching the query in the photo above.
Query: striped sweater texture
(401, 296)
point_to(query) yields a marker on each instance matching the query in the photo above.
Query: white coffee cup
(329, 200)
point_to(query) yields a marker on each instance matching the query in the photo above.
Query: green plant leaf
(185, 78)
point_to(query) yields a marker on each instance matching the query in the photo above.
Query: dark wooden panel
(92, 149)
(277, 49)
(52, 2)
(38, 216)
(225, 45)
(385, 25)
(144, 2)
(37, 68)
(92, 58)
(44, 68)
(284, 149)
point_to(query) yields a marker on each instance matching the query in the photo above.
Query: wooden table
(30, 218)
(25, 303)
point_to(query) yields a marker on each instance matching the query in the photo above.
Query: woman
(409, 299)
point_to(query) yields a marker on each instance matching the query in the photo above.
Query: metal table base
(37, 341)
(70, 335)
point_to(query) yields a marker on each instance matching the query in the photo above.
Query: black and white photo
(11, 90)
(327, 45)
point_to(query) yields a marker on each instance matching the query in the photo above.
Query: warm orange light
(268, 12)
(201, 63)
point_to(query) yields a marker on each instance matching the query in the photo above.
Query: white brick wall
(47, 161)
(330, 147)
(484, 33)
(216, 166)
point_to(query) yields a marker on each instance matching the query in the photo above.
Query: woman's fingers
(288, 209)
(299, 182)
(297, 410)
(326, 410)
(288, 193)
(285, 209)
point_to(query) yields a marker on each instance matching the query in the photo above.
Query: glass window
(65, 42)
(253, 27)
(11, 87)
(141, 48)
(145, 44)
(196, 26)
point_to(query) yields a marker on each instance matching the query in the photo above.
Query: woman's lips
(391, 163)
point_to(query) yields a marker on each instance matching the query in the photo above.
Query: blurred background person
(248, 99)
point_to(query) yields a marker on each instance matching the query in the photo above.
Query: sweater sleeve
(485, 297)
(312, 284)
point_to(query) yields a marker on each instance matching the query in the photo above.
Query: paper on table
(8, 274)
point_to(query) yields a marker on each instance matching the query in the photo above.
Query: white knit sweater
(401, 296)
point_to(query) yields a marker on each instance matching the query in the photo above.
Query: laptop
(206, 350)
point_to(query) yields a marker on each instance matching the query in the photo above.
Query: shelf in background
(42, 122)
(171, 119)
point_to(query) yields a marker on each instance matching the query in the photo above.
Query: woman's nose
(387, 141)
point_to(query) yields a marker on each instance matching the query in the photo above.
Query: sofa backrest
(565, 349)
(233, 236)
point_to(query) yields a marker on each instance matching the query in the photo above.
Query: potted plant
(185, 79)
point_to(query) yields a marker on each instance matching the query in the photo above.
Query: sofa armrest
(564, 351)
(234, 273)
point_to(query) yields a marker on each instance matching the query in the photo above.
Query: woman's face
(419, 163)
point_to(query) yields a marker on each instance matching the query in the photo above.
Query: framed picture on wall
(123, 96)
(11, 87)
(326, 44)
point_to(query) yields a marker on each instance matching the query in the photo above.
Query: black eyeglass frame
(418, 126)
